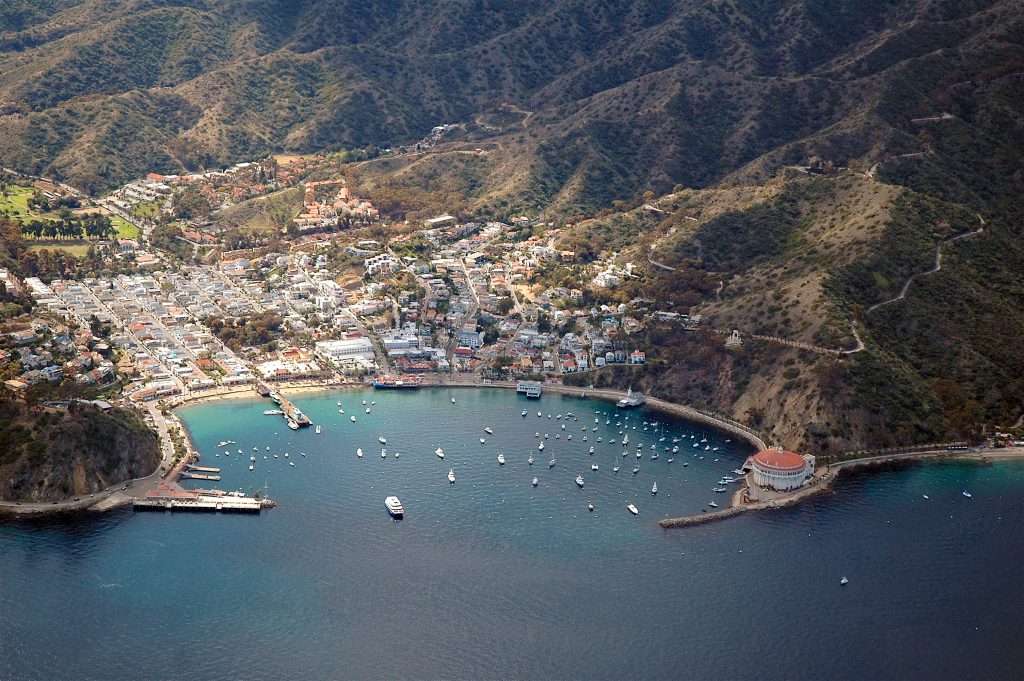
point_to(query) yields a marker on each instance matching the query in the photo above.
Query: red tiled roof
(779, 460)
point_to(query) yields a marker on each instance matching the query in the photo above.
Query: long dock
(186, 475)
(204, 469)
(204, 504)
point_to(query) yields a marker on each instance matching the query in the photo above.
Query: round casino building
(780, 469)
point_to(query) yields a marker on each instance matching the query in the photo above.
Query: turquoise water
(492, 578)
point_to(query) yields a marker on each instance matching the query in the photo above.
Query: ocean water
(493, 578)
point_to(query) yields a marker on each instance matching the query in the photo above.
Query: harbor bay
(494, 577)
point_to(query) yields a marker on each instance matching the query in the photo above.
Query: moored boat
(394, 507)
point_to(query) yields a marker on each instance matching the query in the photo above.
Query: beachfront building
(780, 469)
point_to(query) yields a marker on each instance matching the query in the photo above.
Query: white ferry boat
(394, 507)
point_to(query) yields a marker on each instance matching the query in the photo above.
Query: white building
(780, 469)
(341, 350)
(385, 262)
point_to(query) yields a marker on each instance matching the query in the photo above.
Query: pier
(171, 497)
(188, 475)
(204, 469)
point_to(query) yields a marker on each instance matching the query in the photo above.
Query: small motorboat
(615, 469)
(844, 581)
(540, 446)
(632, 509)
(291, 463)
(251, 467)
(926, 496)
(524, 413)
(591, 450)
(654, 488)
(439, 452)
(551, 464)
(535, 481)
(530, 460)
(501, 459)
(712, 504)
(383, 453)
(382, 440)
(590, 506)
(451, 475)
(593, 466)
(636, 469)
(482, 441)
(352, 419)
(579, 480)
(488, 430)
(453, 400)
(367, 410)
(318, 430)
(967, 494)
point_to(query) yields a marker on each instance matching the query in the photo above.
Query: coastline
(824, 479)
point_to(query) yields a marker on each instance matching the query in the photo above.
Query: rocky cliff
(53, 454)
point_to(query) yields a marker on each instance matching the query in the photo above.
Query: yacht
(488, 430)
(590, 506)
(501, 459)
(364, 403)
(718, 489)
(382, 440)
(293, 425)
(593, 466)
(654, 488)
(632, 509)
(482, 441)
(439, 452)
(352, 418)
(394, 507)
(538, 414)
(844, 581)
(224, 443)
(530, 460)
(367, 410)
(551, 464)
(535, 481)
(540, 446)
(654, 456)
(251, 467)
(967, 494)
(636, 469)
(524, 413)
(383, 453)
(591, 450)
(291, 463)
(453, 400)
(615, 469)
(359, 452)
(318, 430)
(579, 480)
(451, 475)
(712, 504)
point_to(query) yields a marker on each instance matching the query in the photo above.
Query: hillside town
(443, 298)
